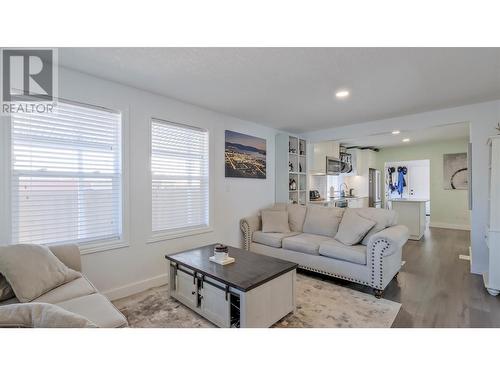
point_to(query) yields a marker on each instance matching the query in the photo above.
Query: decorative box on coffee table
(254, 291)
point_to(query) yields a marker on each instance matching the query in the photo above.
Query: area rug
(320, 304)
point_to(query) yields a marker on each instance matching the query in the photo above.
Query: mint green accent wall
(448, 207)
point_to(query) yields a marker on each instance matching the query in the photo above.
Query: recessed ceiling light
(342, 94)
(395, 132)
(406, 140)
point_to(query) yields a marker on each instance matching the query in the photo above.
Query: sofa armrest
(248, 225)
(69, 254)
(384, 252)
(392, 239)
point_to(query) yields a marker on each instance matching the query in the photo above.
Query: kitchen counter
(354, 202)
(411, 213)
(410, 200)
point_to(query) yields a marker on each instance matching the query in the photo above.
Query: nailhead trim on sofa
(381, 259)
(246, 234)
(334, 275)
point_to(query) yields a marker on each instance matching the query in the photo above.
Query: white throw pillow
(275, 221)
(32, 270)
(353, 228)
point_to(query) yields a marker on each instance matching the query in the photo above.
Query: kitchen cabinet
(357, 202)
(320, 151)
(411, 213)
(350, 157)
(361, 161)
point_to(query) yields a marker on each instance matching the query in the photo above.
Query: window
(66, 175)
(179, 177)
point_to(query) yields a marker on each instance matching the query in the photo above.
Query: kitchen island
(411, 213)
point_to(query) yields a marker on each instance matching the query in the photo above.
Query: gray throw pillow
(323, 221)
(32, 270)
(353, 228)
(296, 216)
(6, 291)
(40, 315)
(275, 221)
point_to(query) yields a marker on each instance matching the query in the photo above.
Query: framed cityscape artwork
(245, 156)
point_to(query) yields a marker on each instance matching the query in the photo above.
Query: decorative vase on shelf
(290, 167)
(300, 167)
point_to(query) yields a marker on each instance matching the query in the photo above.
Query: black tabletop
(247, 272)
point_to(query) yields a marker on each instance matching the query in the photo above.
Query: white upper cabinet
(321, 151)
(350, 159)
(361, 161)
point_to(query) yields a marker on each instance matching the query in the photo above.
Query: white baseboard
(433, 224)
(137, 287)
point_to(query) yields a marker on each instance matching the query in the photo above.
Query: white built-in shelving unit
(492, 230)
(291, 166)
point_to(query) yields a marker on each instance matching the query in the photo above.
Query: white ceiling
(434, 134)
(293, 88)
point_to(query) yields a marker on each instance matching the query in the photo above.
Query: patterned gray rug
(320, 304)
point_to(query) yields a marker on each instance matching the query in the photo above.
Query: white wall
(142, 264)
(482, 117)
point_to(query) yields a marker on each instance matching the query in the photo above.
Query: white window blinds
(66, 175)
(179, 170)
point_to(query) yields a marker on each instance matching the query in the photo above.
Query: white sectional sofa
(311, 243)
(78, 296)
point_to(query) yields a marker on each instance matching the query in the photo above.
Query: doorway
(415, 183)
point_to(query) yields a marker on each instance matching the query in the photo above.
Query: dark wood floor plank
(436, 288)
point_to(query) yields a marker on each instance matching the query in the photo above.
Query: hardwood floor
(436, 288)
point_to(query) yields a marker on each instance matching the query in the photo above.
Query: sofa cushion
(296, 217)
(6, 291)
(97, 309)
(382, 218)
(9, 301)
(271, 239)
(33, 270)
(41, 315)
(304, 243)
(337, 250)
(75, 288)
(323, 221)
(275, 221)
(353, 228)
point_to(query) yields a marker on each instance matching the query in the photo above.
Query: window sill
(103, 246)
(168, 236)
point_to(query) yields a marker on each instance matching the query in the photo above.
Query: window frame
(161, 235)
(85, 247)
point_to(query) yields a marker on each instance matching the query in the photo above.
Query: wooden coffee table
(254, 291)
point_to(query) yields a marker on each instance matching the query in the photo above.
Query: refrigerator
(374, 189)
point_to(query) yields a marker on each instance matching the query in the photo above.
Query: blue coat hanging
(401, 179)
